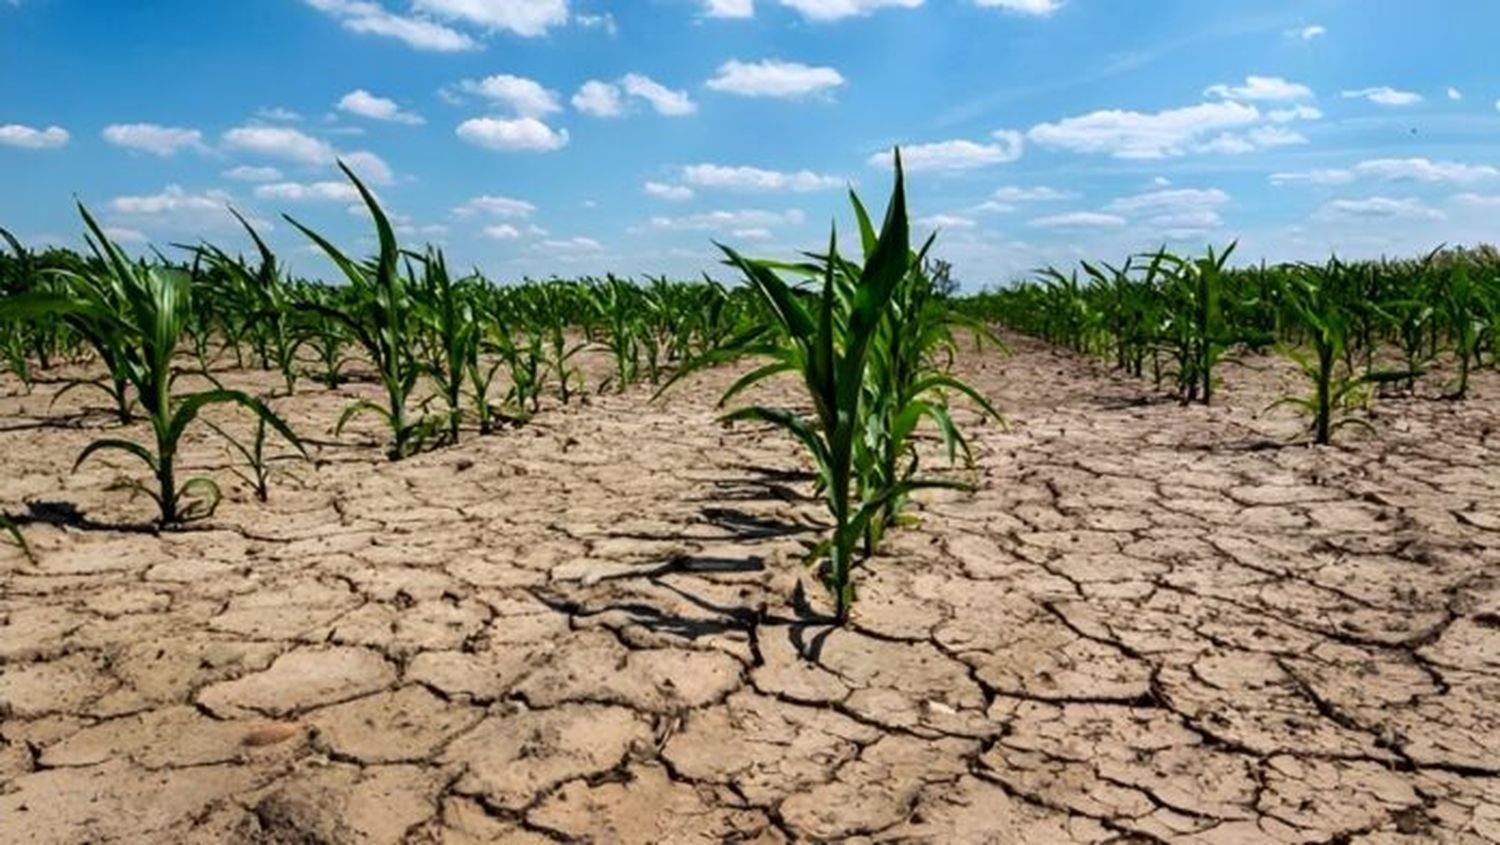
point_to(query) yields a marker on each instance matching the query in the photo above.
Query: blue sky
(532, 137)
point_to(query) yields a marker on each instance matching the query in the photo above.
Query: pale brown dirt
(1150, 624)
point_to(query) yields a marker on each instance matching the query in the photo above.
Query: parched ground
(1150, 624)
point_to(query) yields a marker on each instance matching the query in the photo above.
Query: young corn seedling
(379, 317)
(147, 320)
(265, 305)
(829, 346)
(259, 467)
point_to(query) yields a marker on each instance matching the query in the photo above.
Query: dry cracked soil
(1148, 623)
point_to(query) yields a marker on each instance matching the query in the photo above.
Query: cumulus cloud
(1039, 193)
(671, 193)
(1078, 220)
(832, 10)
(1384, 96)
(600, 99)
(1261, 88)
(308, 192)
(1037, 8)
(774, 78)
(527, 18)
(1152, 135)
(956, 155)
(526, 97)
(663, 99)
(31, 138)
(1394, 170)
(524, 134)
(370, 18)
(1307, 33)
(496, 207)
(1408, 208)
(153, 138)
(246, 173)
(172, 199)
(363, 103)
(280, 142)
(757, 179)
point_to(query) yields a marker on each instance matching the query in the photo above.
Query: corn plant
(828, 341)
(265, 304)
(145, 318)
(449, 334)
(379, 317)
(258, 465)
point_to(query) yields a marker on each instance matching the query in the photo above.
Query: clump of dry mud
(1149, 624)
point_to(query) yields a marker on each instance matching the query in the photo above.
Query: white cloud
(729, 8)
(521, 134)
(496, 207)
(153, 138)
(1079, 220)
(575, 244)
(774, 78)
(956, 155)
(278, 113)
(1307, 33)
(1455, 94)
(753, 234)
(1040, 193)
(599, 99)
(663, 99)
(673, 193)
(526, 97)
(1170, 200)
(501, 232)
(365, 104)
(1260, 88)
(172, 199)
(945, 221)
(308, 192)
(832, 10)
(124, 235)
(1265, 137)
(280, 142)
(371, 18)
(246, 173)
(30, 138)
(1297, 112)
(1144, 135)
(1395, 170)
(1039, 8)
(1329, 176)
(527, 18)
(605, 22)
(1384, 96)
(729, 220)
(1175, 213)
(757, 179)
(1408, 208)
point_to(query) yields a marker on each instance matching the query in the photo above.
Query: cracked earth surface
(1149, 624)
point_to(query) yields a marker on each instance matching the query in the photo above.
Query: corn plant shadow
(748, 526)
(67, 515)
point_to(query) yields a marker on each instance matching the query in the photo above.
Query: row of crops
(1354, 330)
(867, 336)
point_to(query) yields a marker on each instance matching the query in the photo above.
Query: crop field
(1169, 550)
